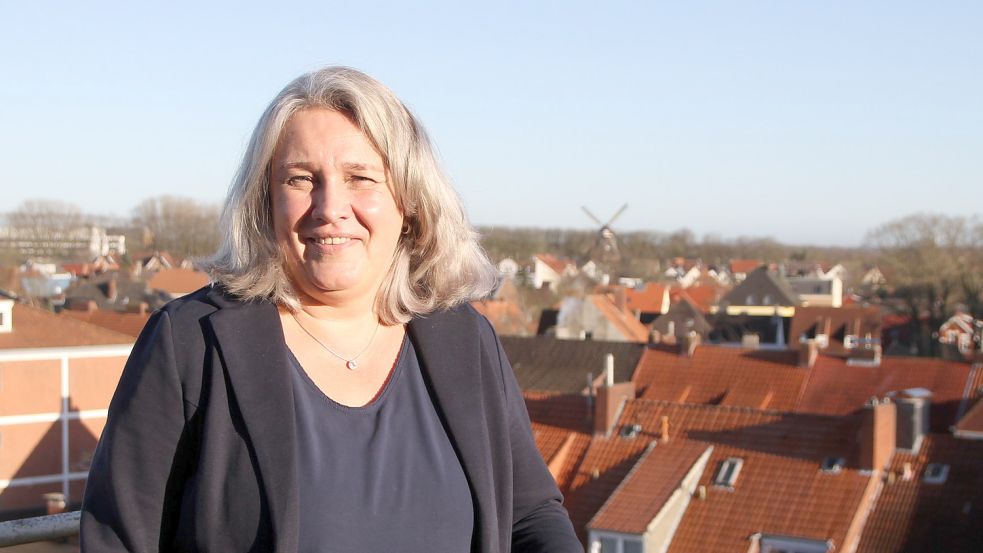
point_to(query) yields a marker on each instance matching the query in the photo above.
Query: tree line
(182, 226)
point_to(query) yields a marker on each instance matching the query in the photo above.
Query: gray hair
(436, 265)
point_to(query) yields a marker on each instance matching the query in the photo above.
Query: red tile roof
(703, 296)
(37, 328)
(178, 281)
(835, 388)
(744, 265)
(651, 483)
(722, 375)
(126, 323)
(912, 515)
(624, 321)
(780, 489)
(649, 299)
(556, 263)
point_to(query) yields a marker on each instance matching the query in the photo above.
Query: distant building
(87, 241)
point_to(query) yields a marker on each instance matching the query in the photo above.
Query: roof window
(936, 473)
(832, 465)
(630, 430)
(727, 474)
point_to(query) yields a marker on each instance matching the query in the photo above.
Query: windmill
(605, 251)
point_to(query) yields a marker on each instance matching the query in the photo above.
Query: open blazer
(198, 450)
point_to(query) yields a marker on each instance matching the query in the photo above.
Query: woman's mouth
(332, 240)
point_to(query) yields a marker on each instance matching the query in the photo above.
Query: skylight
(727, 474)
(630, 430)
(832, 465)
(936, 473)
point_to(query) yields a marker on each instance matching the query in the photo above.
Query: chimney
(621, 298)
(609, 369)
(688, 343)
(808, 352)
(878, 434)
(111, 289)
(750, 341)
(664, 429)
(610, 399)
(865, 357)
(913, 417)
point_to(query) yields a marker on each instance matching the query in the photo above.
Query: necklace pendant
(352, 365)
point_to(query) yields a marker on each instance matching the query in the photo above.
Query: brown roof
(652, 481)
(548, 364)
(178, 281)
(622, 319)
(685, 317)
(126, 323)
(759, 284)
(648, 299)
(835, 388)
(836, 323)
(912, 515)
(505, 316)
(722, 375)
(971, 424)
(37, 328)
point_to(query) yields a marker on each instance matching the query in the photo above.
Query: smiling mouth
(332, 240)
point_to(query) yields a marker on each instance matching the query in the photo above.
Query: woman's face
(334, 213)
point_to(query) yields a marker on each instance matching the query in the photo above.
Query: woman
(332, 390)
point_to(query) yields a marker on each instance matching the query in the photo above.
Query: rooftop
(37, 328)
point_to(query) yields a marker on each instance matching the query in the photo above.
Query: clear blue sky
(807, 121)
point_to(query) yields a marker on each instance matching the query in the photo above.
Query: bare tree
(936, 262)
(182, 226)
(46, 228)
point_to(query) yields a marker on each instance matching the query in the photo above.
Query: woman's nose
(331, 201)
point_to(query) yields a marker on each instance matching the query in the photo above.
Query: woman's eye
(358, 181)
(300, 181)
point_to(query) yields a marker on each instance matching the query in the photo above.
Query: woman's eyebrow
(297, 165)
(357, 166)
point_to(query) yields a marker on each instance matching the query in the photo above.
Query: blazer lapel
(447, 345)
(251, 344)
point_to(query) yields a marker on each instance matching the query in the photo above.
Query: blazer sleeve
(132, 496)
(540, 524)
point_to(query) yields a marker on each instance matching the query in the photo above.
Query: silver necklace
(351, 363)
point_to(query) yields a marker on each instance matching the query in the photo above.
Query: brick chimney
(913, 407)
(878, 434)
(111, 289)
(610, 399)
(808, 352)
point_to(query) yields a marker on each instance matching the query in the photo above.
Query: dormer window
(766, 300)
(832, 465)
(936, 473)
(750, 300)
(727, 474)
(850, 341)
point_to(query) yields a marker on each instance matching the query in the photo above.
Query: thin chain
(350, 363)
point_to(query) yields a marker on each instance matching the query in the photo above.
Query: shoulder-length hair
(438, 262)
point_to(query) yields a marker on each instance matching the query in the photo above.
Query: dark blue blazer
(198, 450)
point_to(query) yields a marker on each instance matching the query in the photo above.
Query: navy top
(382, 477)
